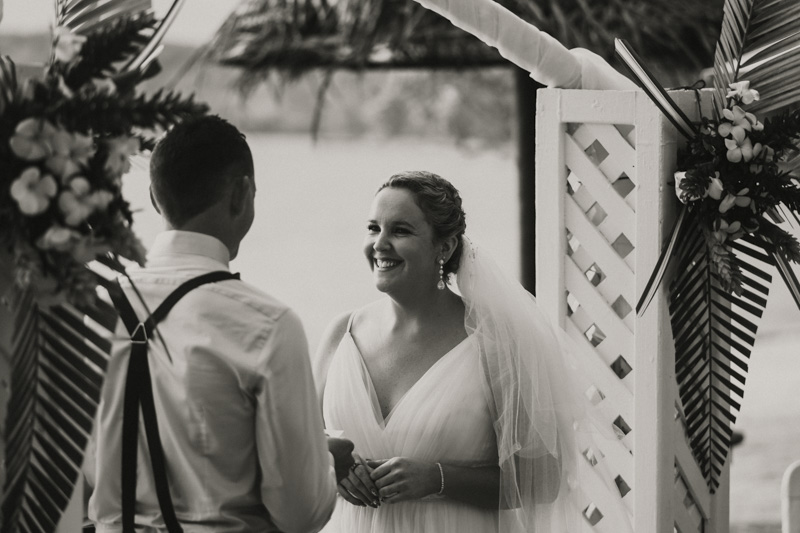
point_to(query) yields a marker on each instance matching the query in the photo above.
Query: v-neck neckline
(373, 393)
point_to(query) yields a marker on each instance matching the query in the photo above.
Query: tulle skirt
(427, 516)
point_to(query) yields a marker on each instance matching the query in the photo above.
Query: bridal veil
(538, 410)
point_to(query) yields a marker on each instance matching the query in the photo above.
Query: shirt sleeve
(298, 484)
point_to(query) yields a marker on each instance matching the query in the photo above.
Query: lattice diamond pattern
(596, 151)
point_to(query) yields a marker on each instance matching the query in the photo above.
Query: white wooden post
(605, 202)
(790, 499)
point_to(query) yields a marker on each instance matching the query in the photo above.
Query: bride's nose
(381, 242)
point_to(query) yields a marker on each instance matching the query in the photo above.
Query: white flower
(67, 44)
(120, 149)
(57, 238)
(741, 147)
(32, 139)
(105, 85)
(715, 188)
(76, 203)
(739, 199)
(71, 153)
(32, 191)
(727, 231)
(741, 90)
(738, 122)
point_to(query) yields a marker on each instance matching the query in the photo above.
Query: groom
(238, 422)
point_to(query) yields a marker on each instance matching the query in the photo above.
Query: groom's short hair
(193, 165)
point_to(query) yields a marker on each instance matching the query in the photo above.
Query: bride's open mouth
(386, 264)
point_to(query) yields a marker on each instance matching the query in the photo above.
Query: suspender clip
(139, 335)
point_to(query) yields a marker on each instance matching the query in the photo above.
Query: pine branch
(108, 45)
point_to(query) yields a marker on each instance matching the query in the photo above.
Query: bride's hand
(401, 479)
(358, 488)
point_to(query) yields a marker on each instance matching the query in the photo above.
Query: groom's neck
(210, 223)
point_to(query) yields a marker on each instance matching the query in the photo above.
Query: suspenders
(139, 391)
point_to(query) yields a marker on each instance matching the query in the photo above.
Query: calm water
(305, 248)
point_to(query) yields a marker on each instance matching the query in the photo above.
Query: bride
(457, 403)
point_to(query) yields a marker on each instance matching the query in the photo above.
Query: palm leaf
(714, 332)
(760, 43)
(58, 360)
(84, 16)
(87, 16)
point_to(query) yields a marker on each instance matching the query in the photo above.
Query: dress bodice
(443, 417)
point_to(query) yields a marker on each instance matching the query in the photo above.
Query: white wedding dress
(443, 418)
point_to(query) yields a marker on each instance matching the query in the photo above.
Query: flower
(71, 152)
(57, 238)
(32, 191)
(740, 147)
(105, 85)
(715, 188)
(76, 203)
(119, 151)
(740, 199)
(727, 231)
(741, 91)
(32, 139)
(738, 122)
(67, 45)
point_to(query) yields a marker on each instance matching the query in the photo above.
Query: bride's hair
(440, 202)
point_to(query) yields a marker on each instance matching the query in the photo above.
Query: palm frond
(58, 361)
(760, 43)
(85, 16)
(8, 82)
(714, 332)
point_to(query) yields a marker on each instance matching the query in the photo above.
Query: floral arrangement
(734, 180)
(65, 144)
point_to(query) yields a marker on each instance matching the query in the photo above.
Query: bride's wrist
(437, 480)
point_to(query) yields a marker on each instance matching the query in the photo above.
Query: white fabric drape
(548, 61)
(538, 411)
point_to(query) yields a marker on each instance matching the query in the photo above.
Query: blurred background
(323, 143)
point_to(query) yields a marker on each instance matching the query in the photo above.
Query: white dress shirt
(237, 411)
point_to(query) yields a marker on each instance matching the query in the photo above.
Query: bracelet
(441, 473)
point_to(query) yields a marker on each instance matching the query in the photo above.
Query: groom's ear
(238, 196)
(153, 201)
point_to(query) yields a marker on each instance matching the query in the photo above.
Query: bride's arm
(402, 479)
(327, 347)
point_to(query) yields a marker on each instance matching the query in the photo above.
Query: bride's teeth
(385, 264)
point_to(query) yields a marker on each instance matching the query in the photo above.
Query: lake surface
(305, 248)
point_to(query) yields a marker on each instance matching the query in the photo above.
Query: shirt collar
(176, 242)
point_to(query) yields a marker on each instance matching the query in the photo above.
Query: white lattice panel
(604, 204)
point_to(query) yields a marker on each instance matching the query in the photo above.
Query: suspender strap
(139, 391)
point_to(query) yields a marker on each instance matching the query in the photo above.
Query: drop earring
(440, 285)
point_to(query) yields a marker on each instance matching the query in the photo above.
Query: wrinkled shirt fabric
(237, 410)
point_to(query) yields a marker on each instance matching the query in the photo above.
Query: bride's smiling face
(399, 244)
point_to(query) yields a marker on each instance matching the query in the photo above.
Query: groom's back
(228, 364)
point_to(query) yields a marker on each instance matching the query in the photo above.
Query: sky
(195, 25)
